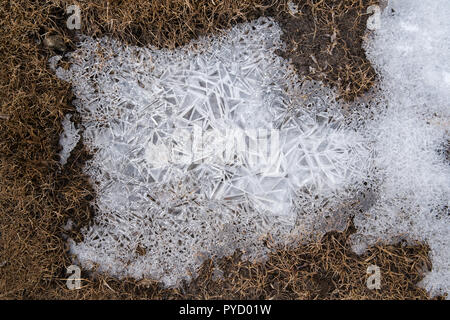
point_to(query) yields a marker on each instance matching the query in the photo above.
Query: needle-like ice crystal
(411, 51)
(206, 149)
(211, 147)
(68, 139)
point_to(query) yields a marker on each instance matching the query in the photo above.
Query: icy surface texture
(411, 51)
(168, 199)
(179, 178)
(68, 140)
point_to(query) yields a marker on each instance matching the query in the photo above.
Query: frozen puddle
(203, 151)
(212, 147)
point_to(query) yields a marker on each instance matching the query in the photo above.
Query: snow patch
(411, 53)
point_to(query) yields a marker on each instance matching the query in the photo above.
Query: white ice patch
(183, 198)
(68, 140)
(412, 54)
(274, 156)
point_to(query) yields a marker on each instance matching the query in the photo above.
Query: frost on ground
(68, 140)
(204, 150)
(211, 147)
(411, 51)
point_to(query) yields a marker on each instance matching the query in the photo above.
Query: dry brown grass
(324, 42)
(37, 197)
(326, 269)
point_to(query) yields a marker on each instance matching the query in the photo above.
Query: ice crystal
(203, 150)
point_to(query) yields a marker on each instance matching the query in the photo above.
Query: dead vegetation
(324, 41)
(326, 269)
(37, 196)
